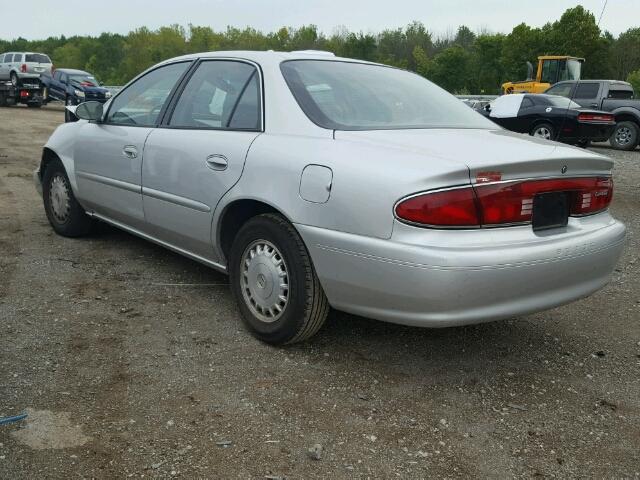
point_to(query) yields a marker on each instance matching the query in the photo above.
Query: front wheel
(625, 136)
(274, 282)
(65, 214)
(543, 130)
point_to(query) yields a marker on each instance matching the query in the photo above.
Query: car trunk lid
(489, 154)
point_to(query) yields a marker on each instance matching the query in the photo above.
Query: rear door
(198, 154)
(587, 94)
(108, 156)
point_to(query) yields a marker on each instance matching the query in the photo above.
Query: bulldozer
(551, 69)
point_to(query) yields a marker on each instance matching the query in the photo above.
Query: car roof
(71, 70)
(592, 80)
(269, 56)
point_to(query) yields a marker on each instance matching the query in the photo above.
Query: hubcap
(264, 280)
(623, 136)
(542, 132)
(59, 199)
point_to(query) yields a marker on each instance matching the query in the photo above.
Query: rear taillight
(24, 93)
(502, 203)
(595, 117)
(23, 68)
(446, 208)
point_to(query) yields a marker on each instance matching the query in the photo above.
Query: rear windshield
(37, 58)
(623, 94)
(357, 96)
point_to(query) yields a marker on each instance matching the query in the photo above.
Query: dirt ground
(131, 362)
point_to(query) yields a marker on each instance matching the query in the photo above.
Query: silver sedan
(317, 181)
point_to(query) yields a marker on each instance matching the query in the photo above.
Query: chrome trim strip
(218, 266)
(112, 182)
(176, 199)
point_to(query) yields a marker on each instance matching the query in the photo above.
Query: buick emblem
(564, 169)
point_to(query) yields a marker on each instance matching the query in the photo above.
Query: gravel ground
(131, 362)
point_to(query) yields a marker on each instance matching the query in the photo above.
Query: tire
(266, 250)
(3, 100)
(65, 214)
(584, 143)
(625, 136)
(13, 76)
(34, 105)
(543, 130)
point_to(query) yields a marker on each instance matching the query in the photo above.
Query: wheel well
(626, 117)
(48, 156)
(236, 215)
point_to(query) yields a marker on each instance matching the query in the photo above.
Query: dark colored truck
(28, 91)
(612, 96)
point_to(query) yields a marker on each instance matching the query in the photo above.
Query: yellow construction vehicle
(551, 69)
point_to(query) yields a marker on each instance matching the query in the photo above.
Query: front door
(108, 155)
(192, 160)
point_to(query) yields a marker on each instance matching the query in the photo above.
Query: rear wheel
(274, 282)
(543, 130)
(14, 79)
(65, 214)
(625, 136)
(68, 116)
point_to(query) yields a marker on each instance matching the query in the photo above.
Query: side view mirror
(89, 111)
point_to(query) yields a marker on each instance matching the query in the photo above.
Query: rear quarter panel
(367, 181)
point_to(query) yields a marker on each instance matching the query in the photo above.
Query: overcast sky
(44, 18)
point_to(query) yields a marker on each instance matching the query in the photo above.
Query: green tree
(450, 69)
(634, 79)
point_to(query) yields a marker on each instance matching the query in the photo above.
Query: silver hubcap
(264, 281)
(623, 136)
(542, 132)
(59, 199)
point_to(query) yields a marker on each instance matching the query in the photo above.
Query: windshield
(84, 80)
(36, 58)
(357, 96)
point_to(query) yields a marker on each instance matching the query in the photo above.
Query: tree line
(463, 62)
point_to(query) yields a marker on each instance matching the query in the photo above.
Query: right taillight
(501, 203)
(23, 68)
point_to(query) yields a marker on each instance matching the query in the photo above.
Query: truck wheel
(65, 214)
(14, 79)
(274, 282)
(625, 136)
(543, 130)
(3, 100)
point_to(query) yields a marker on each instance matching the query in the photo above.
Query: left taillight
(501, 203)
(595, 117)
(455, 207)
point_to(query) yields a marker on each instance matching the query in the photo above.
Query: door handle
(217, 162)
(130, 151)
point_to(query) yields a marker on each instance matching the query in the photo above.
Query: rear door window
(587, 90)
(17, 57)
(221, 94)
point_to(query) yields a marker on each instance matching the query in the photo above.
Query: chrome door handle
(130, 151)
(217, 162)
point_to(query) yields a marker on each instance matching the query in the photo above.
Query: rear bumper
(595, 132)
(444, 278)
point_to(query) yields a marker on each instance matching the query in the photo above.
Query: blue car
(74, 87)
